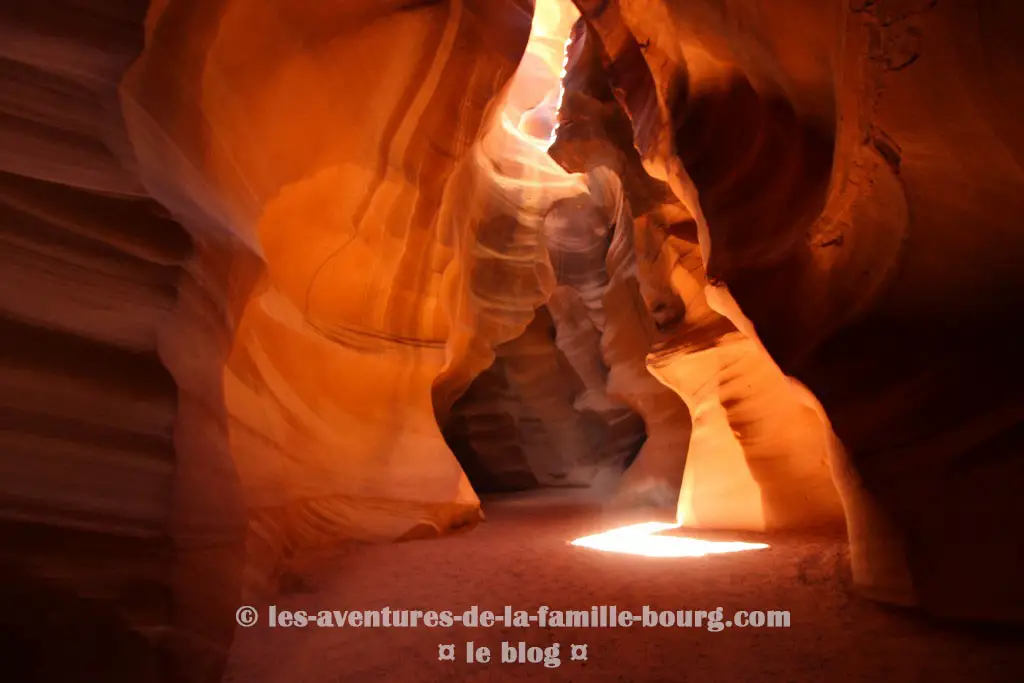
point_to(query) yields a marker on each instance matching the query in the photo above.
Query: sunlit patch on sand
(643, 539)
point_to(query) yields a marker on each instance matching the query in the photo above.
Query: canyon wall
(199, 388)
(757, 455)
(853, 175)
(111, 529)
(569, 403)
(261, 260)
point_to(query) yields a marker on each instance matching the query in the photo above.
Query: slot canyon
(437, 304)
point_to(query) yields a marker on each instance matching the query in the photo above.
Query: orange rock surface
(282, 274)
(853, 173)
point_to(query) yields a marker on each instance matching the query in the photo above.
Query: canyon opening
(504, 340)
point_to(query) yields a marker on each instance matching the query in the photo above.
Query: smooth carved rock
(532, 420)
(541, 413)
(655, 477)
(339, 339)
(117, 535)
(873, 253)
(573, 409)
(757, 455)
(276, 361)
(344, 235)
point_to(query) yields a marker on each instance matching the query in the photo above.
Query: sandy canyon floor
(521, 557)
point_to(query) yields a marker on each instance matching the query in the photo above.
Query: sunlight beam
(643, 539)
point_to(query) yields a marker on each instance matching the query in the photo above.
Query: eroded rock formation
(562, 405)
(262, 380)
(112, 527)
(854, 178)
(757, 455)
(255, 257)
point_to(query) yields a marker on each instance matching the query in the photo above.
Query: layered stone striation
(852, 172)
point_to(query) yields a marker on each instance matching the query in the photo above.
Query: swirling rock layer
(854, 179)
(757, 455)
(115, 536)
(205, 395)
(254, 255)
